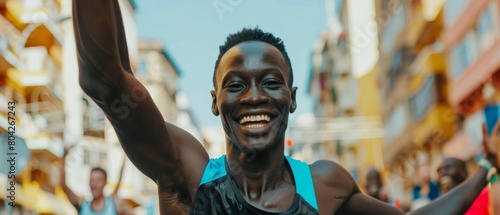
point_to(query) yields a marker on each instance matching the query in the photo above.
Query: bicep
(153, 146)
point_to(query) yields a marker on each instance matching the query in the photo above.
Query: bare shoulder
(192, 154)
(333, 184)
(331, 174)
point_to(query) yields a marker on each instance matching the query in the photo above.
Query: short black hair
(102, 170)
(253, 34)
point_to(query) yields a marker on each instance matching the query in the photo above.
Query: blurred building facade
(431, 97)
(31, 40)
(472, 47)
(412, 83)
(345, 128)
(39, 71)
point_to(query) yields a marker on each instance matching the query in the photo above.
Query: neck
(256, 172)
(98, 198)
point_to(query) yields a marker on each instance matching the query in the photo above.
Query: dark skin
(451, 172)
(373, 185)
(252, 80)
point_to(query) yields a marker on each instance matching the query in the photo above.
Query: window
(453, 9)
(487, 30)
(464, 54)
(421, 102)
(396, 24)
(94, 158)
(396, 123)
(478, 40)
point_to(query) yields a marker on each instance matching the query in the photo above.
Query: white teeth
(256, 118)
(255, 126)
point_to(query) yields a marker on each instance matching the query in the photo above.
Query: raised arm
(495, 186)
(495, 198)
(457, 201)
(160, 150)
(75, 200)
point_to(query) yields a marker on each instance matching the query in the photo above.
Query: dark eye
(233, 87)
(273, 84)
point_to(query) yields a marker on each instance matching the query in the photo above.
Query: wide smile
(255, 121)
(445, 180)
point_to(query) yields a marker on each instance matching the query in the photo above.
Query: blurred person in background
(451, 173)
(426, 190)
(100, 204)
(254, 95)
(374, 185)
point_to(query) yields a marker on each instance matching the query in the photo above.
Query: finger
(496, 128)
(485, 139)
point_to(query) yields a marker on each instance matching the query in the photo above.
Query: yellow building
(413, 86)
(30, 59)
(347, 126)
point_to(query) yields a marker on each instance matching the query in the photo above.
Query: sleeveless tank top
(218, 193)
(109, 208)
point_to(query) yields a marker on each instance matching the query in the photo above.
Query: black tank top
(218, 194)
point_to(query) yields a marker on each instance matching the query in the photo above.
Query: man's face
(97, 183)
(253, 96)
(373, 184)
(450, 174)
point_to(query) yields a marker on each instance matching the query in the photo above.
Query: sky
(192, 31)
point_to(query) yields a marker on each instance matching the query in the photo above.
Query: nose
(253, 95)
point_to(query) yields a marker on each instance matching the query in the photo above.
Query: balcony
(423, 100)
(9, 38)
(93, 119)
(24, 81)
(36, 21)
(431, 115)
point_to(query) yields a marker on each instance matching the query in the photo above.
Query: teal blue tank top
(109, 208)
(218, 194)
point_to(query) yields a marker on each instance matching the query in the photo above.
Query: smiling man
(253, 95)
(451, 173)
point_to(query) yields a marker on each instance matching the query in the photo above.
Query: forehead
(97, 173)
(250, 56)
(448, 162)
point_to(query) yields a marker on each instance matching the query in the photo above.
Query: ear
(215, 111)
(293, 106)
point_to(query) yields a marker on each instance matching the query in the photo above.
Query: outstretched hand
(491, 145)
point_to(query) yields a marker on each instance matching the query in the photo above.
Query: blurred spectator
(375, 188)
(426, 190)
(452, 172)
(100, 204)
(374, 185)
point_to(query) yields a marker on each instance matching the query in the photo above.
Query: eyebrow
(259, 72)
